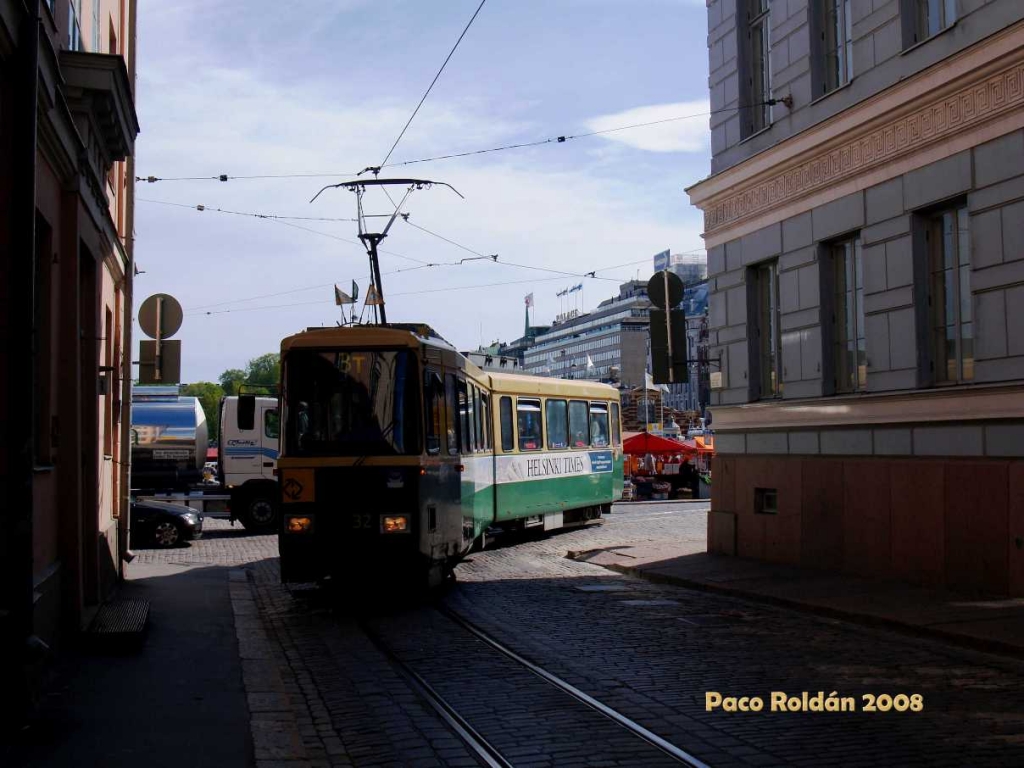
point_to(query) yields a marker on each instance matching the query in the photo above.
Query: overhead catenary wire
(286, 221)
(403, 293)
(495, 259)
(432, 82)
(561, 139)
(204, 208)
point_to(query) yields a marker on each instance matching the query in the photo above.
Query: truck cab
(247, 459)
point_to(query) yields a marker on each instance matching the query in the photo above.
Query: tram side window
(507, 438)
(485, 419)
(453, 416)
(478, 419)
(556, 412)
(579, 424)
(433, 394)
(467, 445)
(599, 424)
(530, 431)
(465, 417)
(616, 425)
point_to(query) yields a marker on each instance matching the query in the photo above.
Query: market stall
(659, 467)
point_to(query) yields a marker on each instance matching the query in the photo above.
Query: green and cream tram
(397, 453)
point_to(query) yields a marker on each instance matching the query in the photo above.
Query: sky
(292, 87)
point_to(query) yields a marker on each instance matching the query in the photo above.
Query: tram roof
(520, 384)
(369, 335)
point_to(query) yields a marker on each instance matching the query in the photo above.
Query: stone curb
(916, 630)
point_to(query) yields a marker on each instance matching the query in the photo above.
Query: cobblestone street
(323, 691)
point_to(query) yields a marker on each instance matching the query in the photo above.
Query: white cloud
(691, 134)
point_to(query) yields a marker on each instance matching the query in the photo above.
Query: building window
(834, 37)
(96, 26)
(74, 28)
(755, 115)
(849, 353)
(766, 501)
(948, 241)
(768, 334)
(925, 18)
(530, 431)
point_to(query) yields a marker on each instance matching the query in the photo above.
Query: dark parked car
(161, 524)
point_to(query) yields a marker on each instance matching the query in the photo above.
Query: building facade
(67, 131)
(864, 220)
(608, 344)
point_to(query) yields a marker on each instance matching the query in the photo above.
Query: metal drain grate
(118, 622)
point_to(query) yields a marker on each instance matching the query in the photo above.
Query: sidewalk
(990, 624)
(177, 701)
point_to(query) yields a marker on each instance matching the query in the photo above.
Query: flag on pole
(590, 363)
(372, 297)
(529, 300)
(355, 291)
(340, 297)
(649, 381)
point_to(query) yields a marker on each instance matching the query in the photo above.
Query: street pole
(372, 239)
(668, 328)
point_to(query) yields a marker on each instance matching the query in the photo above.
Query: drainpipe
(127, 370)
(17, 522)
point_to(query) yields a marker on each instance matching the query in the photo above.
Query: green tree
(209, 395)
(264, 370)
(230, 380)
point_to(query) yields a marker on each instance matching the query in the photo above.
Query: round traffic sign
(160, 312)
(665, 289)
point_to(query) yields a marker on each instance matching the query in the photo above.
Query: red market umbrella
(644, 442)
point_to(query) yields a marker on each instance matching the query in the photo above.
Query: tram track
(500, 749)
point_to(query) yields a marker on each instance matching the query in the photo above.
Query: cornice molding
(964, 93)
(955, 404)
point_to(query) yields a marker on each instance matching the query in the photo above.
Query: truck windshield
(351, 403)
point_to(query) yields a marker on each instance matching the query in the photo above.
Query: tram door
(441, 484)
(477, 457)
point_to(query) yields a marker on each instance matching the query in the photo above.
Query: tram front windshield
(351, 403)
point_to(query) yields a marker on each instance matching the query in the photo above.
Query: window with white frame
(925, 18)
(769, 337)
(948, 242)
(833, 20)
(74, 28)
(849, 352)
(756, 45)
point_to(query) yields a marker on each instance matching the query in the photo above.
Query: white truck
(169, 449)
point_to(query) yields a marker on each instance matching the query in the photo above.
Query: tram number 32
(363, 522)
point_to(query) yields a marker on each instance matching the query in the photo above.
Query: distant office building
(500, 356)
(607, 344)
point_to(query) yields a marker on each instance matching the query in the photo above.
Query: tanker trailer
(169, 439)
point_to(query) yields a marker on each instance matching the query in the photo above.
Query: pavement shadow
(178, 701)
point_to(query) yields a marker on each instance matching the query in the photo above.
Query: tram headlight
(394, 523)
(298, 524)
